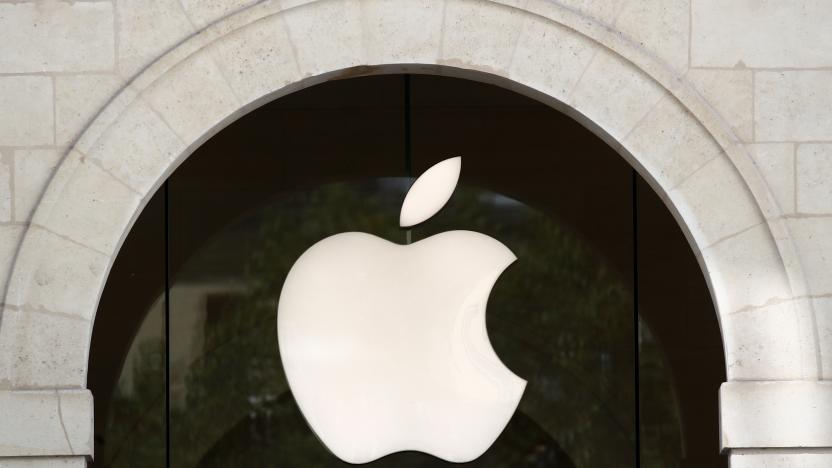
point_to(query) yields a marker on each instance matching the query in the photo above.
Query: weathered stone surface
(814, 178)
(395, 32)
(775, 414)
(716, 201)
(205, 12)
(146, 30)
(671, 144)
(813, 238)
(32, 170)
(603, 11)
(78, 98)
(258, 59)
(10, 235)
(26, 116)
(786, 458)
(823, 317)
(6, 163)
(746, 270)
(614, 95)
(793, 105)
(56, 275)
(56, 36)
(661, 27)
(753, 33)
(91, 206)
(784, 331)
(46, 420)
(193, 98)
(479, 35)
(327, 35)
(134, 145)
(731, 93)
(776, 163)
(550, 58)
(42, 350)
(44, 462)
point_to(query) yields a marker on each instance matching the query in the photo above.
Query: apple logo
(385, 346)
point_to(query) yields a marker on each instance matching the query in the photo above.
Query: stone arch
(628, 97)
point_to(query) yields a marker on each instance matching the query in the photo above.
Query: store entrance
(606, 312)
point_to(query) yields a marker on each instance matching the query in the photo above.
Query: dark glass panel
(243, 208)
(681, 353)
(127, 355)
(562, 315)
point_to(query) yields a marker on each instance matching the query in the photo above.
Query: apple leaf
(430, 192)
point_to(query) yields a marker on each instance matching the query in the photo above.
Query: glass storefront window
(335, 158)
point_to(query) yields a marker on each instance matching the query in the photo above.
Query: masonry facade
(725, 107)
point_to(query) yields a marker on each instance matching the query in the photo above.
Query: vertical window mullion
(167, 324)
(636, 354)
(408, 156)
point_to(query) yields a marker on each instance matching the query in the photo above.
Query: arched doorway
(517, 185)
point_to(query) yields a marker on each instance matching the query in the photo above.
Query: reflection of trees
(559, 317)
(136, 426)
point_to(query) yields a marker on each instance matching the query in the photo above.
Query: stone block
(671, 144)
(783, 337)
(47, 422)
(43, 350)
(775, 161)
(26, 118)
(823, 318)
(784, 458)
(813, 238)
(661, 27)
(480, 35)
(614, 94)
(793, 105)
(32, 170)
(147, 29)
(134, 145)
(402, 32)
(6, 164)
(193, 98)
(205, 12)
(814, 178)
(56, 275)
(731, 93)
(44, 462)
(10, 236)
(327, 36)
(716, 201)
(258, 59)
(550, 58)
(56, 36)
(775, 414)
(761, 34)
(746, 271)
(78, 98)
(88, 205)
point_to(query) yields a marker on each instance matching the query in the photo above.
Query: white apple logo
(385, 346)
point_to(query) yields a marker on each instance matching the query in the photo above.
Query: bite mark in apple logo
(385, 346)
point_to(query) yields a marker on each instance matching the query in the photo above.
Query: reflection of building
(194, 298)
(723, 109)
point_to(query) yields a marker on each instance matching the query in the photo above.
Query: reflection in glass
(127, 364)
(560, 317)
(315, 163)
(136, 419)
